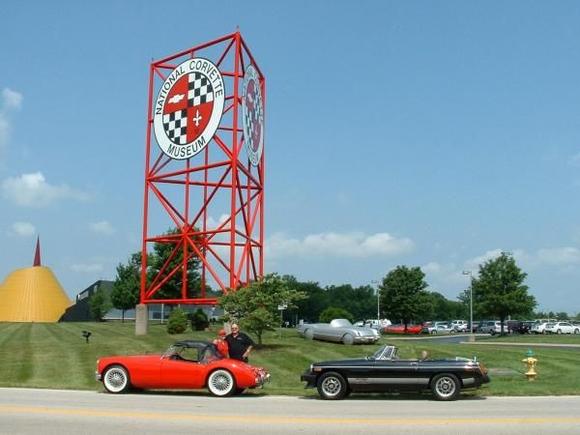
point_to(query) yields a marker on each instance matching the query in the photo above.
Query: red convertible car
(187, 364)
(400, 329)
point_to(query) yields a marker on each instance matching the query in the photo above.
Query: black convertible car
(384, 371)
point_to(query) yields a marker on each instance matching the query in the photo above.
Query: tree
(255, 307)
(99, 304)
(441, 308)
(199, 320)
(157, 259)
(177, 322)
(499, 289)
(315, 301)
(360, 301)
(403, 294)
(335, 313)
(125, 292)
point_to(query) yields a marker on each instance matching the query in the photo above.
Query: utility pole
(468, 272)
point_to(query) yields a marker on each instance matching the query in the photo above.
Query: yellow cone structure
(32, 294)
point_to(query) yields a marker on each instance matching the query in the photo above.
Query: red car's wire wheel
(221, 383)
(116, 379)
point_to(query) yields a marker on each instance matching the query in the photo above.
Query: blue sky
(432, 134)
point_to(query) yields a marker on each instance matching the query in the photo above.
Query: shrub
(199, 320)
(334, 313)
(177, 322)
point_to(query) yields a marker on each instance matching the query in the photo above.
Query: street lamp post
(378, 304)
(378, 300)
(468, 272)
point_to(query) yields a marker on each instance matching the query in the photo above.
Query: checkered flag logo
(175, 125)
(188, 108)
(252, 119)
(200, 90)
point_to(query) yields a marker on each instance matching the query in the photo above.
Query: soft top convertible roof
(198, 344)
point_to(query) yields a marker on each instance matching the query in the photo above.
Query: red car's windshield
(202, 354)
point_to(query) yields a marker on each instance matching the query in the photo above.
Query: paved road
(29, 411)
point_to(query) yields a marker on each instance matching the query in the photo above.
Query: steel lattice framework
(215, 199)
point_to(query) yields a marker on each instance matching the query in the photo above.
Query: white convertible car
(339, 331)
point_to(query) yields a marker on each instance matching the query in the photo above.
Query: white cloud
(559, 256)
(473, 263)
(102, 227)
(32, 190)
(4, 131)
(432, 267)
(11, 99)
(347, 245)
(442, 276)
(23, 229)
(450, 273)
(87, 268)
(212, 223)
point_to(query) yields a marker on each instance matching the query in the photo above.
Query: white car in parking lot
(562, 328)
(459, 325)
(492, 327)
(438, 328)
(539, 328)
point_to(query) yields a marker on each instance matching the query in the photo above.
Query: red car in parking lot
(400, 329)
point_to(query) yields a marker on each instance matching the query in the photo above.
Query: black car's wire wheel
(116, 379)
(221, 383)
(445, 386)
(332, 386)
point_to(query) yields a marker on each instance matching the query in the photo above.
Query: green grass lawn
(536, 338)
(56, 356)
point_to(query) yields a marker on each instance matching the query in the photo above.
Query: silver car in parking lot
(339, 331)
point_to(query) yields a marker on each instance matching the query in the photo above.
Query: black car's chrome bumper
(309, 378)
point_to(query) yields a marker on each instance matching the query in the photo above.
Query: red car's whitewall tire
(116, 379)
(221, 383)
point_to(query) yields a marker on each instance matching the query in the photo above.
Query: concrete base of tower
(141, 319)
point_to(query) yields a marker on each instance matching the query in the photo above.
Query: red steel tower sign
(204, 170)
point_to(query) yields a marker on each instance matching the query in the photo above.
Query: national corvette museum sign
(188, 108)
(253, 115)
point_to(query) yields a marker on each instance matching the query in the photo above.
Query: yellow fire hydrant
(531, 365)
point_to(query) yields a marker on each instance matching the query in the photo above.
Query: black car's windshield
(385, 352)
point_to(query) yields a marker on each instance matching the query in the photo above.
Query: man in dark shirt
(239, 344)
